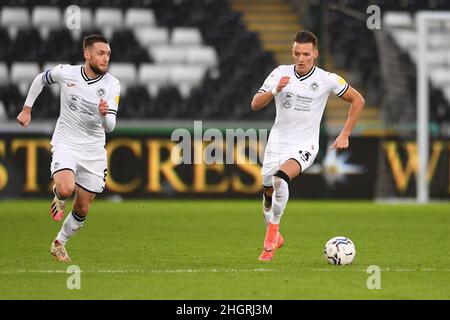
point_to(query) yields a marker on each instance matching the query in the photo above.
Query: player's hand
(103, 108)
(24, 117)
(282, 83)
(341, 142)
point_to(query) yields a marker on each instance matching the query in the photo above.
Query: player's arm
(45, 78)
(357, 104)
(108, 110)
(262, 99)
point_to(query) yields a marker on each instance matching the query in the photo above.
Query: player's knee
(64, 190)
(280, 178)
(81, 208)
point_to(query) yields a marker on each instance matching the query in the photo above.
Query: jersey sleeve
(113, 99)
(337, 84)
(271, 81)
(55, 75)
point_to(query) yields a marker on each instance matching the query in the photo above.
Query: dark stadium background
(186, 60)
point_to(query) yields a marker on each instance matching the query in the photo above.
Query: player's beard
(97, 70)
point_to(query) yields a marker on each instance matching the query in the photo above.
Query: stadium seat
(108, 19)
(447, 92)
(150, 36)
(139, 17)
(156, 45)
(439, 40)
(23, 73)
(398, 19)
(126, 72)
(440, 77)
(5, 41)
(185, 78)
(167, 54)
(153, 77)
(45, 19)
(12, 99)
(167, 103)
(204, 56)
(14, 18)
(3, 113)
(136, 103)
(27, 46)
(4, 79)
(46, 105)
(437, 57)
(186, 37)
(407, 39)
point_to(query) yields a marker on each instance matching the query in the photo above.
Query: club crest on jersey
(314, 86)
(101, 92)
(288, 100)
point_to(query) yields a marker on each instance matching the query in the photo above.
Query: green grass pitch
(208, 249)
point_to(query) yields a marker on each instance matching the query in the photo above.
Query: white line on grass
(126, 271)
(141, 271)
(346, 268)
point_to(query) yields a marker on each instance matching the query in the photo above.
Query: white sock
(279, 199)
(71, 225)
(268, 213)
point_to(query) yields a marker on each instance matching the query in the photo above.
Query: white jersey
(80, 124)
(300, 106)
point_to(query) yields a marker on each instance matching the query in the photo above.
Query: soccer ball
(339, 250)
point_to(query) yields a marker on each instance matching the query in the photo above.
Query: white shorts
(89, 167)
(273, 160)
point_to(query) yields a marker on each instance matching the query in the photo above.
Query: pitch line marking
(19, 271)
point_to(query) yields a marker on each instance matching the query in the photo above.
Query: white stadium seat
(186, 77)
(447, 93)
(439, 40)
(407, 39)
(398, 19)
(125, 72)
(45, 19)
(440, 77)
(23, 73)
(108, 19)
(138, 17)
(154, 76)
(186, 37)
(167, 54)
(14, 18)
(86, 18)
(3, 115)
(4, 80)
(150, 36)
(204, 56)
(437, 57)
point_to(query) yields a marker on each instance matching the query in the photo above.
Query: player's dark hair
(89, 40)
(305, 36)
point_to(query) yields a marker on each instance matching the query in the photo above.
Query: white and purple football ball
(339, 251)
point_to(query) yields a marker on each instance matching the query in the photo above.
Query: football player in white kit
(89, 102)
(300, 91)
